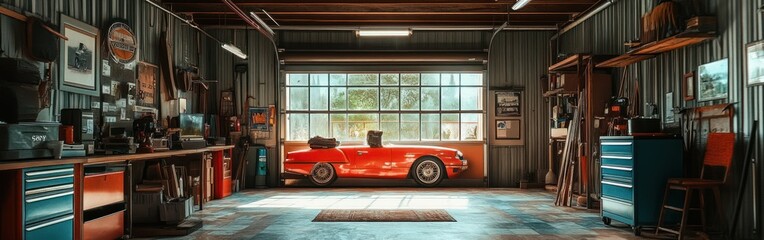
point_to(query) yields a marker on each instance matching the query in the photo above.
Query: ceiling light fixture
(234, 50)
(261, 22)
(520, 4)
(383, 33)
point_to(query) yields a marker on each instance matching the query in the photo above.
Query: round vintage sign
(123, 45)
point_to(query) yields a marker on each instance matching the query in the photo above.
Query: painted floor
(481, 213)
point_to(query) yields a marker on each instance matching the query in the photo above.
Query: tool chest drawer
(619, 190)
(57, 228)
(48, 176)
(611, 160)
(45, 203)
(618, 148)
(103, 189)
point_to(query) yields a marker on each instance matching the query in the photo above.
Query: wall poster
(147, 82)
(508, 104)
(78, 65)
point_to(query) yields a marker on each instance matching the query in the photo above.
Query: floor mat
(367, 215)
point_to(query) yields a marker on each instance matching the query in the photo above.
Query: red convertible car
(426, 165)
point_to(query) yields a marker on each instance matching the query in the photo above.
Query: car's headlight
(459, 155)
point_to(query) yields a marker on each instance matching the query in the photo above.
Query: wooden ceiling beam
(389, 13)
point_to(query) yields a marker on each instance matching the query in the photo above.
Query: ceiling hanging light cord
(229, 47)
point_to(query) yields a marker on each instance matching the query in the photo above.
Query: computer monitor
(191, 125)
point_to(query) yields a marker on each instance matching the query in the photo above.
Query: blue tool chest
(634, 172)
(48, 202)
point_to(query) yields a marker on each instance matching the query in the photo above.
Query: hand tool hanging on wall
(748, 161)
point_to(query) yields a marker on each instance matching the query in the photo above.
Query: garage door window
(406, 106)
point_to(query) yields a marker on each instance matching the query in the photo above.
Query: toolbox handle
(60, 220)
(50, 197)
(65, 170)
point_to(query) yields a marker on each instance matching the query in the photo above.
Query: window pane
(411, 79)
(449, 79)
(409, 98)
(449, 98)
(389, 123)
(338, 79)
(472, 98)
(449, 126)
(431, 127)
(319, 125)
(472, 79)
(363, 98)
(363, 79)
(360, 124)
(389, 79)
(298, 126)
(471, 126)
(338, 97)
(319, 98)
(339, 124)
(432, 79)
(297, 79)
(430, 98)
(410, 126)
(298, 98)
(389, 98)
(319, 79)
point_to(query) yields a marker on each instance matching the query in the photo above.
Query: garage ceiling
(394, 13)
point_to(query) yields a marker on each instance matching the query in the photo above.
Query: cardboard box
(569, 82)
(146, 206)
(176, 211)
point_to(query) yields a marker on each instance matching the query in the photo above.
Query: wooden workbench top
(99, 159)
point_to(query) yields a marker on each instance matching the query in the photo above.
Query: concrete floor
(481, 213)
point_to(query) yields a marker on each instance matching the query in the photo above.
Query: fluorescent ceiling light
(520, 4)
(234, 50)
(261, 22)
(383, 33)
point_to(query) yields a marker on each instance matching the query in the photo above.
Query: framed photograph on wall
(688, 86)
(508, 129)
(78, 57)
(713, 80)
(754, 63)
(508, 103)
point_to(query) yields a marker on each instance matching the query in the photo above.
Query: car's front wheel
(322, 174)
(428, 172)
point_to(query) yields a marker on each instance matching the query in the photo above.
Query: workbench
(14, 225)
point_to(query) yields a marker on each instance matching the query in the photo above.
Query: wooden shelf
(569, 64)
(653, 49)
(557, 92)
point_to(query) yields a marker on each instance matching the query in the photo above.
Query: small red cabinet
(223, 173)
(103, 189)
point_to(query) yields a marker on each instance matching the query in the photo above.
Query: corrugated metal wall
(519, 59)
(147, 23)
(740, 22)
(260, 81)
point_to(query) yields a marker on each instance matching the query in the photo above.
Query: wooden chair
(719, 150)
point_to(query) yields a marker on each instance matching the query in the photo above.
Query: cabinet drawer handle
(617, 184)
(57, 221)
(49, 189)
(618, 201)
(616, 157)
(617, 144)
(50, 197)
(66, 170)
(618, 168)
(49, 178)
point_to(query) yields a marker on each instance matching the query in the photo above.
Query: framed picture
(713, 80)
(508, 129)
(508, 103)
(688, 86)
(754, 63)
(258, 119)
(668, 109)
(148, 75)
(78, 63)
